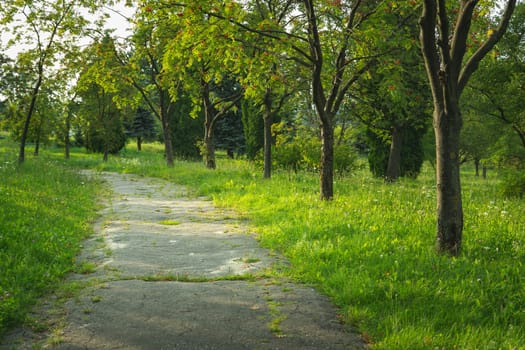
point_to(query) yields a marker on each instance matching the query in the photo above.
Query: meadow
(371, 249)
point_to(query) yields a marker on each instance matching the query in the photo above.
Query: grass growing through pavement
(45, 213)
(371, 249)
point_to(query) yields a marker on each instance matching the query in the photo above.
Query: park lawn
(371, 249)
(46, 211)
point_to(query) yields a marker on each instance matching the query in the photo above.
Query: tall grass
(371, 249)
(46, 211)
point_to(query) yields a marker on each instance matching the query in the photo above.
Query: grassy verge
(372, 248)
(45, 213)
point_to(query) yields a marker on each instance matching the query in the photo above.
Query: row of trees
(321, 66)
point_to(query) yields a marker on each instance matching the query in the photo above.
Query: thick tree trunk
(168, 145)
(327, 161)
(165, 106)
(476, 165)
(393, 170)
(447, 127)
(209, 156)
(139, 143)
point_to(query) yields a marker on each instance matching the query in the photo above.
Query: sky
(116, 21)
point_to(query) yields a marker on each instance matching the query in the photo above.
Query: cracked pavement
(174, 272)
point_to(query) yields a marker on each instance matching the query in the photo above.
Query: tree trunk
(447, 127)
(484, 172)
(209, 121)
(25, 131)
(106, 153)
(476, 166)
(168, 146)
(165, 104)
(268, 121)
(327, 161)
(393, 170)
(209, 152)
(139, 143)
(37, 147)
(67, 139)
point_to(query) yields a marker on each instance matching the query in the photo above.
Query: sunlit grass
(371, 249)
(45, 213)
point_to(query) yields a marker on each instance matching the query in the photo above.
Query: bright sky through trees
(117, 21)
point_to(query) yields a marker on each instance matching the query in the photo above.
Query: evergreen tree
(412, 153)
(229, 134)
(143, 127)
(253, 127)
(186, 131)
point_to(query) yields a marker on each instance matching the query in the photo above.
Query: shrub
(513, 184)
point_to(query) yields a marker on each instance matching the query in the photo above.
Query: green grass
(46, 211)
(371, 249)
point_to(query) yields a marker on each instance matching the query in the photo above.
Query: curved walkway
(173, 272)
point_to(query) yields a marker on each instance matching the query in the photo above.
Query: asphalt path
(174, 272)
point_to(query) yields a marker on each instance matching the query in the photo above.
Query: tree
(144, 70)
(330, 42)
(268, 79)
(196, 59)
(392, 102)
(142, 127)
(497, 89)
(253, 127)
(103, 116)
(229, 134)
(444, 48)
(46, 27)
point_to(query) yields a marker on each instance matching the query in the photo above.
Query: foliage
(45, 212)
(513, 184)
(301, 150)
(101, 110)
(229, 134)
(109, 137)
(412, 154)
(495, 98)
(253, 127)
(186, 131)
(143, 125)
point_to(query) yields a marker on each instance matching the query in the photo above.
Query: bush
(345, 159)
(303, 152)
(513, 184)
(412, 153)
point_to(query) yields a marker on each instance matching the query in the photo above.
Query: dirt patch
(173, 272)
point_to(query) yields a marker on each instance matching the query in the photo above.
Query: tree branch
(472, 64)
